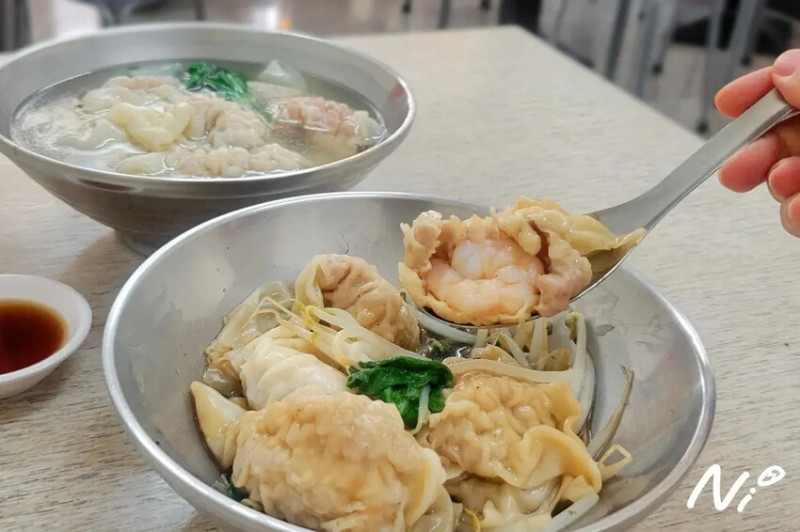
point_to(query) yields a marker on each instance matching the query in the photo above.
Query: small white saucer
(63, 299)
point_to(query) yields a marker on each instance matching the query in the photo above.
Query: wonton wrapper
(583, 233)
(338, 462)
(333, 128)
(271, 368)
(511, 431)
(227, 124)
(502, 506)
(151, 129)
(234, 162)
(351, 284)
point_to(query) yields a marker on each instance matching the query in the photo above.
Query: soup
(197, 119)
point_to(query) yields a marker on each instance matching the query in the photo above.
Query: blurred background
(673, 54)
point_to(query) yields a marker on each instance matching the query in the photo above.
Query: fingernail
(780, 198)
(791, 211)
(787, 64)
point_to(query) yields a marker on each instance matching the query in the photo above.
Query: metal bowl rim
(117, 178)
(172, 472)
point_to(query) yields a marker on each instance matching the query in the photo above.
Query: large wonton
(274, 365)
(333, 128)
(329, 461)
(516, 432)
(528, 258)
(351, 284)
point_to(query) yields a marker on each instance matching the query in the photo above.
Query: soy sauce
(29, 333)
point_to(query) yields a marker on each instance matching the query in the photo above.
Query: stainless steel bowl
(172, 307)
(148, 211)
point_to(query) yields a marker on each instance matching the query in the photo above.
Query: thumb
(786, 76)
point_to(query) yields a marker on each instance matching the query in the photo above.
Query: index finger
(737, 96)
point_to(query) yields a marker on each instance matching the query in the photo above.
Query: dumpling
(227, 124)
(351, 284)
(234, 162)
(274, 157)
(139, 91)
(516, 432)
(484, 271)
(329, 461)
(142, 164)
(332, 127)
(271, 367)
(471, 271)
(98, 134)
(503, 507)
(139, 82)
(104, 98)
(220, 162)
(217, 418)
(170, 93)
(337, 462)
(238, 127)
(151, 129)
(583, 233)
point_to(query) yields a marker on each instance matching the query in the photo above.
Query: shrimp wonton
(530, 258)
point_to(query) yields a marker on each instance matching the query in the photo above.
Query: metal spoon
(647, 209)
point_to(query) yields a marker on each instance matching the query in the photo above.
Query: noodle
(423, 413)
(611, 470)
(511, 346)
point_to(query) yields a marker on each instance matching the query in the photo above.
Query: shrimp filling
(485, 278)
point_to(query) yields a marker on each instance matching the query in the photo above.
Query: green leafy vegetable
(230, 84)
(401, 380)
(435, 349)
(225, 484)
(237, 494)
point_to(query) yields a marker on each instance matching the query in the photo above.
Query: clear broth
(103, 158)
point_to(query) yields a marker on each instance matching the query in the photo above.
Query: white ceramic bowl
(66, 301)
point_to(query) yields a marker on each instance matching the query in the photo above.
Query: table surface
(500, 114)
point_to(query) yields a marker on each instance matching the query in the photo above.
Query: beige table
(499, 114)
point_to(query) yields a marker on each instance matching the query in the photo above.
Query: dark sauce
(29, 333)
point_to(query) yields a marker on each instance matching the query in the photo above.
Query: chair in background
(591, 8)
(732, 31)
(116, 12)
(648, 25)
(15, 26)
(723, 61)
(444, 10)
(753, 19)
(524, 13)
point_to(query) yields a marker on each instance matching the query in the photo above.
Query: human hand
(775, 157)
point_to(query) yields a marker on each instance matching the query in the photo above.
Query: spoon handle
(649, 208)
